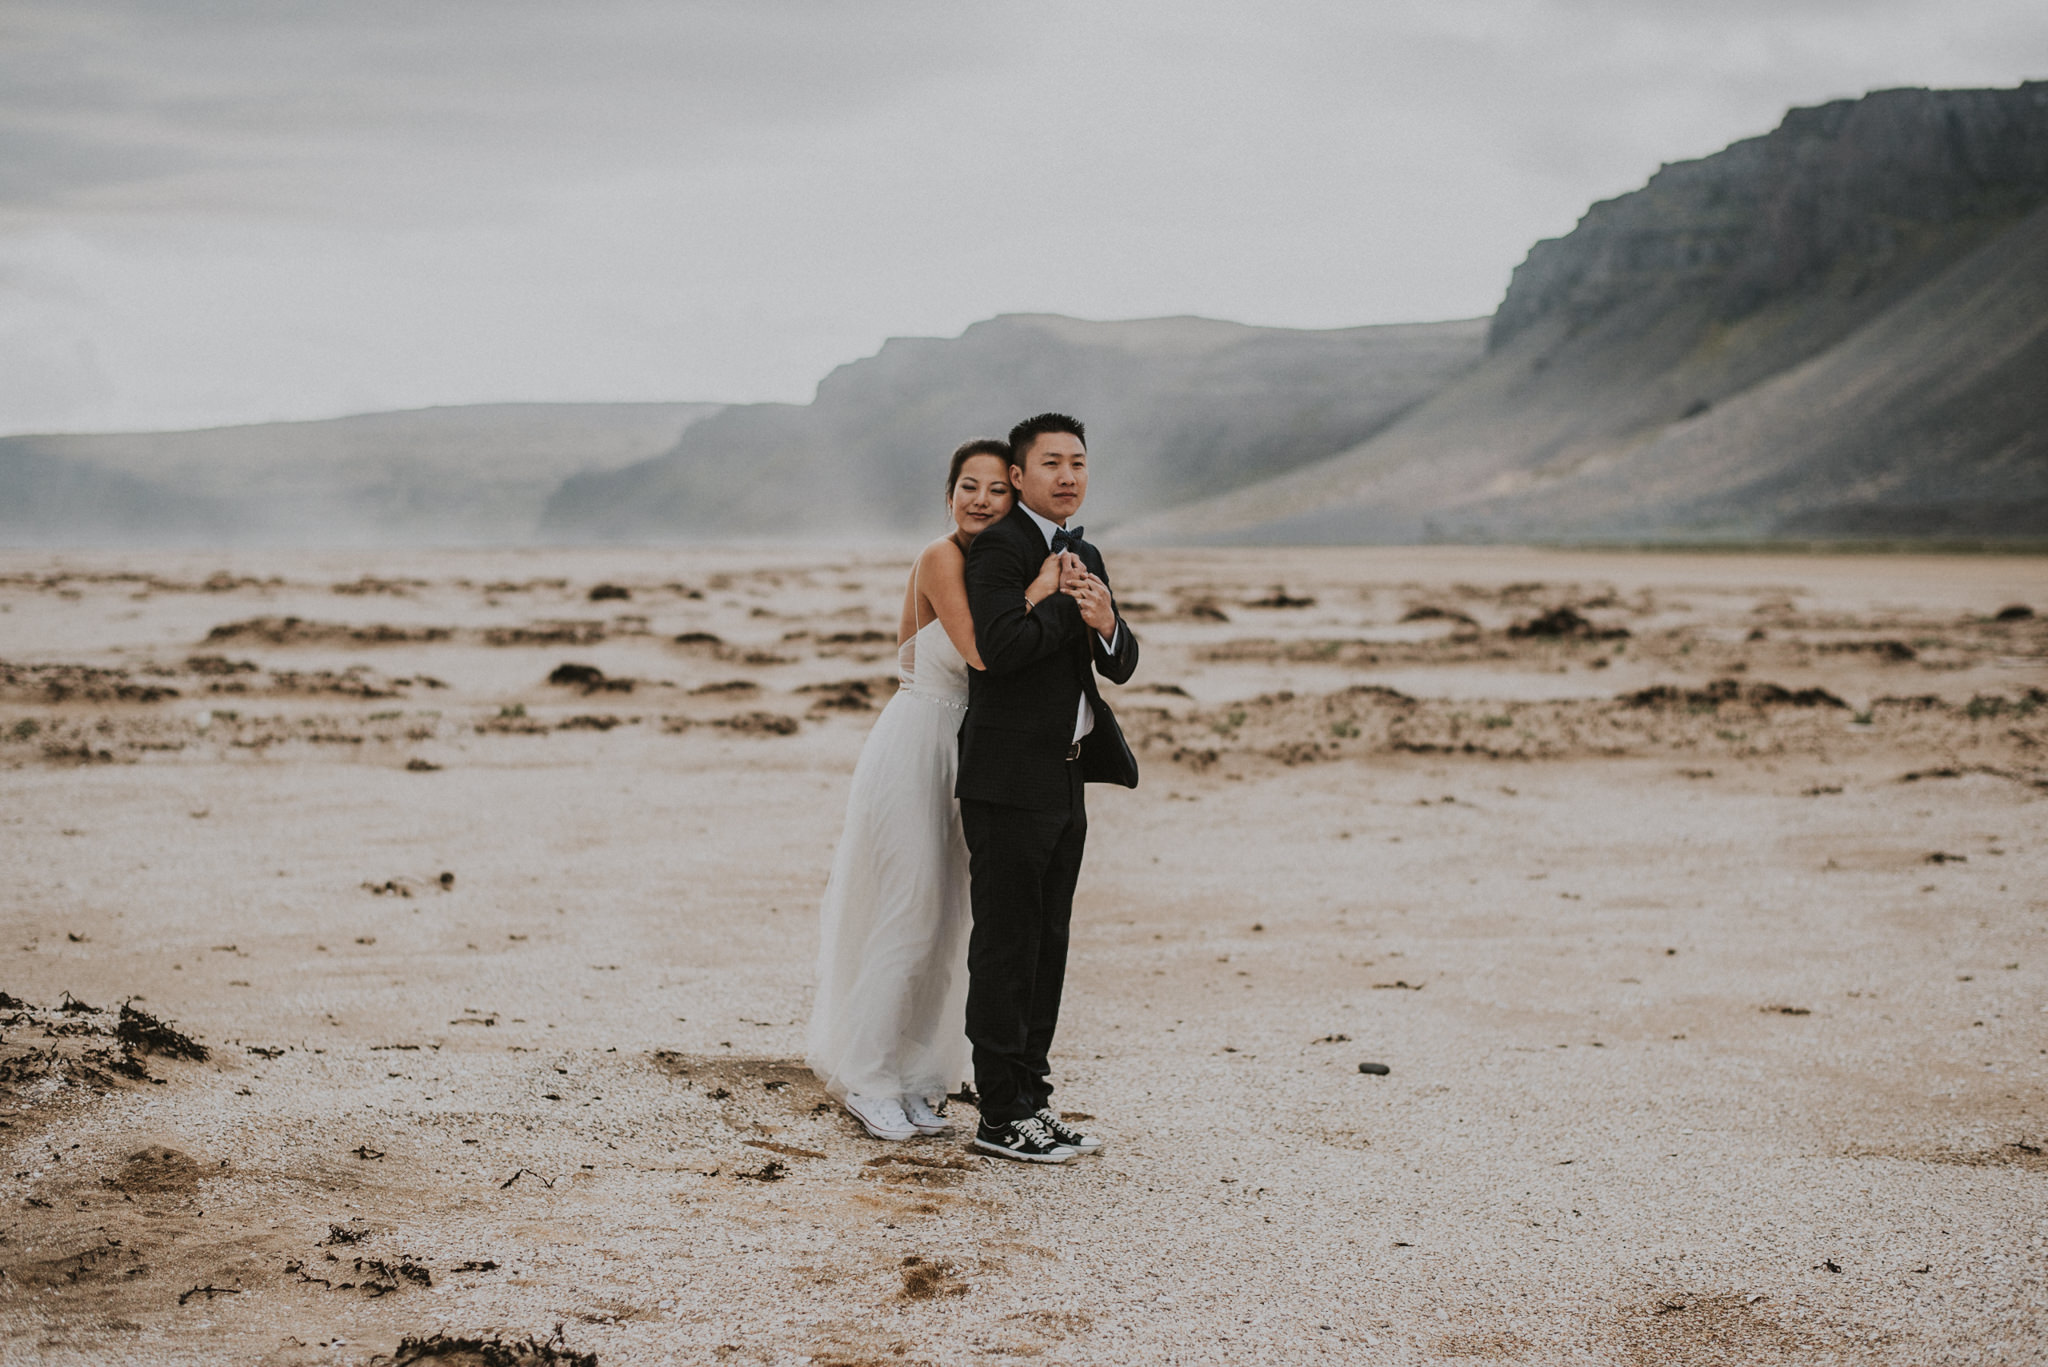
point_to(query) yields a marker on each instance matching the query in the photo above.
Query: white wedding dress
(890, 1014)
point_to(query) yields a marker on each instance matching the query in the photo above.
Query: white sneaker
(881, 1116)
(927, 1120)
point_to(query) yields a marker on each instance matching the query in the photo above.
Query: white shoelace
(1031, 1127)
(1057, 1128)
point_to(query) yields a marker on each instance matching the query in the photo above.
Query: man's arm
(1118, 664)
(1008, 635)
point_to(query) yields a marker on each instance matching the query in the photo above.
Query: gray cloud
(138, 107)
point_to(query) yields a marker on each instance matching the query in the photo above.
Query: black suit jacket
(1038, 665)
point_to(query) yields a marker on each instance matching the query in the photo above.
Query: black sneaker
(1025, 1140)
(1066, 1135)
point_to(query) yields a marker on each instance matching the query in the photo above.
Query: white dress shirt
(1084, 715)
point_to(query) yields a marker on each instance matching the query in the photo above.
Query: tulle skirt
(890, 1013)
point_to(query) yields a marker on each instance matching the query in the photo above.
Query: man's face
(1052, 475)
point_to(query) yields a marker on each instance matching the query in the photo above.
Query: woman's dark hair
(980, 446)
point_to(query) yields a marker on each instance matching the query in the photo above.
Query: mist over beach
(1578, 473)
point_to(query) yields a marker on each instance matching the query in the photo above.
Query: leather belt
(1073, 752)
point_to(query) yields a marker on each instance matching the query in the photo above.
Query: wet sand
(1697, 905)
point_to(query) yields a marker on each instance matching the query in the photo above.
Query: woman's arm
(942, 576)
(1046, 585)
(1008, 635)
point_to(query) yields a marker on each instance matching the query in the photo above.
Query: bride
(888, 1033)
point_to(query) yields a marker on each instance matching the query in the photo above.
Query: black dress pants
(1023, 866)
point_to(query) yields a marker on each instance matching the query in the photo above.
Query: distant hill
(433, 476)
(1176, 408)
(1839, 329)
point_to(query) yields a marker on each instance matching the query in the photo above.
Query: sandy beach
(1696, 905)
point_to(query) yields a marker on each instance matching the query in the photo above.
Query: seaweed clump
(141, 1033)
(1729, 691)
(447, 1350)
(87, 1045)
(1565, 622)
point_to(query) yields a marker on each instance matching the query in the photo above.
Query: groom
(1036, 731)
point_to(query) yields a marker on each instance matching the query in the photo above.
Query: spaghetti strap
(917, 595)
(906, 652)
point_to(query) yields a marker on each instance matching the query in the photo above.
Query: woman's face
(982, 495)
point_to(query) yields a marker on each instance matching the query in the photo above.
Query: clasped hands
(1064, 572)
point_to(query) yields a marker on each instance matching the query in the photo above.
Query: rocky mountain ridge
(1853, 185)
(1887, 244)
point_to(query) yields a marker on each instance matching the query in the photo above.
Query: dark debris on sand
(54, 683)
(589, 678)
(866, 637)
(145, 1034)
(760, 724)
(406, 887)
(367, 585)
(1729, 691)
(727, 686)
(590, 723)
(356, 681)
(849, 695)
(1565, 622)
(445, 1350)
(1429, 612)
(569, 632)
(219, 666)
(383, 1276)
(82, 1045)
(209, 1291)
(1896, 651)
(925, 1279)
(155, 1170)
(282, 631)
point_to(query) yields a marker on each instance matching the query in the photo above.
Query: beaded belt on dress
(957, 704)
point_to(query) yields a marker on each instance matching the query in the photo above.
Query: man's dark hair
(968, 450)
(1031, 429)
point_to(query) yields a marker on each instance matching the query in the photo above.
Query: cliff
(1861, 188)
(1886, 248)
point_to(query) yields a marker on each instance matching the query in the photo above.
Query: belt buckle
(1073, 752)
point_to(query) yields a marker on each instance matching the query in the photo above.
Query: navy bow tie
(1063, 537)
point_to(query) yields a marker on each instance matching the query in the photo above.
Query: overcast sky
(238, 211)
